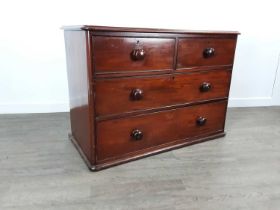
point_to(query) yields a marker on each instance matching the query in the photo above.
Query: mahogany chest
(135, 92)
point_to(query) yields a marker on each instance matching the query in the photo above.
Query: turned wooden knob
(136, 94)
(137, 134)
(200, 121)
(208, 52)
(138, 53)
(205, 86)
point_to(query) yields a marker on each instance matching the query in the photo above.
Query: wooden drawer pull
(205, 86)
(208, 52)
(136, 94)
(137, 134)
(138, 53)
(201, 121)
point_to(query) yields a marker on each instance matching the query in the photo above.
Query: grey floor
(40, 169)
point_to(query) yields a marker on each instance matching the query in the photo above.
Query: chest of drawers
(137, 92)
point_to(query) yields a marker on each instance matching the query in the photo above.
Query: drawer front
(133, 54)
(121, 136)
(116, 96)
(205, 52)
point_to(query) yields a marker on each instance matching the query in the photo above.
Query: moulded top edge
(143, 30)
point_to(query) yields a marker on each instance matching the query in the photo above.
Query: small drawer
(113, 54)
(116, 96)
(194, 52)
(122, 136)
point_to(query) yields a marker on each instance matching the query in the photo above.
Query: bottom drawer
(125, 135)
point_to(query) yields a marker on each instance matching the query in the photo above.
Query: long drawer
(127, 135)
(115, 96)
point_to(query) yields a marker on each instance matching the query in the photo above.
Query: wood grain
(144, 30)
(190, 52)
(114, 136)
(119, 77)
(79, 76)
(114, 54)
(113, 96)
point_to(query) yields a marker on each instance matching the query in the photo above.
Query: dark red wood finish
(114, 136)
(116, 54)
(114, 96)
(79, 71)
(144, 30)
(193, 52)
(136, 92)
